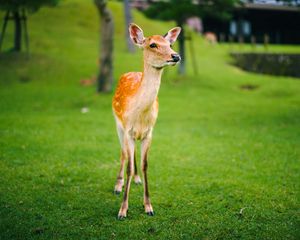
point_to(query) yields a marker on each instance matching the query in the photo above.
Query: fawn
(135, 107)
(210, 37)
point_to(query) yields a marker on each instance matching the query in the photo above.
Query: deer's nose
(175, 57)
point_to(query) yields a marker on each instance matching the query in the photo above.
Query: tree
(180, 10)
(105, 76)
(128, 20)
(15, 9)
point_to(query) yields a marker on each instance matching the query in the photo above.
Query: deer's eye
(153, 45)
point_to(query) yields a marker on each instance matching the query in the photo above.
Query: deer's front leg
(144, 154)
(129, 143)
(120, 178)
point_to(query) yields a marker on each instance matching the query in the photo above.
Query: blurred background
(224, 162)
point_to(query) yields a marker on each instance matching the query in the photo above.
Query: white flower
(85, 110)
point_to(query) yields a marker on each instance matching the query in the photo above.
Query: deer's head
(158, 50)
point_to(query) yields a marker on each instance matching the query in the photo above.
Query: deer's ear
(136, 34)
(172, 35)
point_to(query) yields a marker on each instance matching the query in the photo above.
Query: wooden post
(266, 41)
(18, 31)
(253, 42)
(192, 52)
(230, 40)
(222, 38)
(241, 41)
(181, 41)
(24, 18)
(4, 28)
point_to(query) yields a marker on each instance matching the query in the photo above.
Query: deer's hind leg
(137, 178)
(120, 178)
(129, 145)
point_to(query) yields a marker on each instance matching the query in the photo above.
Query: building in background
(258, 21)
(280, 24)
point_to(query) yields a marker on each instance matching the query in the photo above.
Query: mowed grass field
(224, 163)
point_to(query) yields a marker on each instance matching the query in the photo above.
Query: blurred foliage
(32, 5)
(180, 10)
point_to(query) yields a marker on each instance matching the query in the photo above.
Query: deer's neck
(149, 86)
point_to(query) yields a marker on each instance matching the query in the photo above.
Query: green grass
(217, 149)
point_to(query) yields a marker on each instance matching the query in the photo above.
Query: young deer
(135, 107)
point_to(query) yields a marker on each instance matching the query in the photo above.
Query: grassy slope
(216, 149)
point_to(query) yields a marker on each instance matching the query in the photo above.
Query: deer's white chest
(141, 118)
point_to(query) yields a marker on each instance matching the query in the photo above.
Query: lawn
(224, 162)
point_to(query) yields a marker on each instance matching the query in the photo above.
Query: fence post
(266, 41)
(253, 42)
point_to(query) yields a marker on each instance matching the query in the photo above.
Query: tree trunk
(18, 31)
(105, 76)
(181, 42)
(128, 20)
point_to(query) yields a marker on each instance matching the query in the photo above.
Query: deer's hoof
(116, 192)
(137, 180)
(122, 213)
(149, 210)
(151, 213)
(121, 217)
